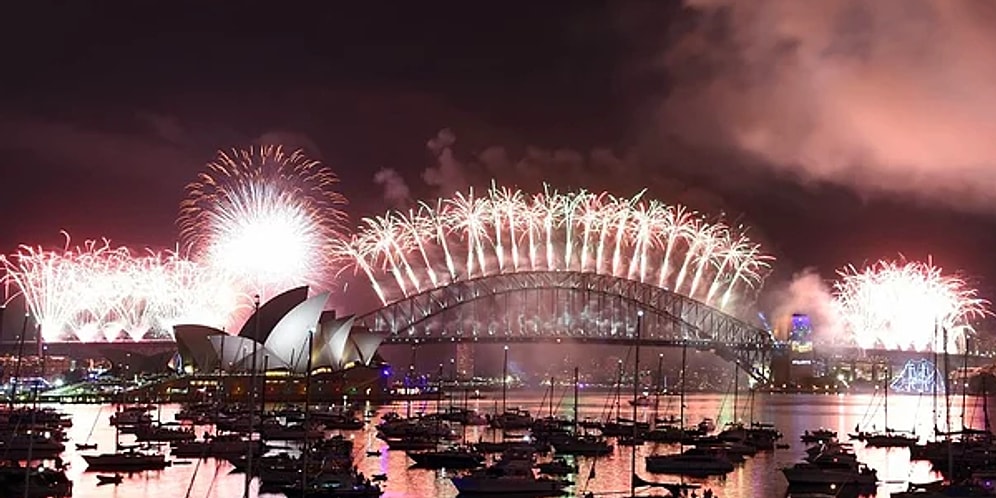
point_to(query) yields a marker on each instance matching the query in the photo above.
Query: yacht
(890, 439)
(830, 469)
(340, 484)
(133, 415)
(218, 446)
(34, 483)
(147, 433)
(557, 467)
(292, 432)
(514, 478)
(693, 462)
(585, 444)
(37, 444)
(818, 435)
(450, 458)
(129, 460)
(512, 419)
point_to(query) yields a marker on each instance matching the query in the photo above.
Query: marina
(395, 472)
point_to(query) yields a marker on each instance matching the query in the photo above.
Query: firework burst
(267, 217)
(506, 231)
(906, 305)
(97, 292)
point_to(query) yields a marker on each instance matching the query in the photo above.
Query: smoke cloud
(396, 191)
(810, 295)
(459, 166)
(891, 96)
(447, 176)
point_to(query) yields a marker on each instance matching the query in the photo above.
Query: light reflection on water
(758, 476)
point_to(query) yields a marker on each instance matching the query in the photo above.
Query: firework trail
(266, 217)
(96, 291)
(506, 231)
(904, 305)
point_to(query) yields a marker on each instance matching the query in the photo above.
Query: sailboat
(509, 418)
(889, 438)
(452, 457)
(694, 461)
(31, 480)
(86, 445)
(127, 460)
(577, 442)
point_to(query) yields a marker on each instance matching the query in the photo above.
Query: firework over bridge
(544, 306)
(509, 266)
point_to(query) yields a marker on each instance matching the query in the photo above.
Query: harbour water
(758, 476)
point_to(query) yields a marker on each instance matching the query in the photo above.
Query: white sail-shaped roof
(331, 342)
(365, 343)
(289, 338)
(232, 349)
(194, 345)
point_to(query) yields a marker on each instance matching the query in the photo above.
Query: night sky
(108, 109)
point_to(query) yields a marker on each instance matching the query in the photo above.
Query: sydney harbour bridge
(555, 306)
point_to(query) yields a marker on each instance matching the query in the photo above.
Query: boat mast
(888, 377)
(947, 401)
(736, 389)
(934, 376)
(551, 397)
(660, 377)
(504, 382)
(576, 380)
(34, 417)
(681, 397)
(618, 399)
(252, 387)
(964, 384)
(636, 384)
(17, 366)
(307, 417)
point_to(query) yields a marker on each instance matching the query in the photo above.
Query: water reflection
(758, 476)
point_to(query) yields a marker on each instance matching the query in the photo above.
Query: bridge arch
(542, 306)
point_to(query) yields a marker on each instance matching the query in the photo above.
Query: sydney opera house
(284, 339)
(278, 336)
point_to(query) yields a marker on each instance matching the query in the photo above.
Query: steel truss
(570, 306)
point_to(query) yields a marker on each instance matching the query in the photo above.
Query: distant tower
(801, 333)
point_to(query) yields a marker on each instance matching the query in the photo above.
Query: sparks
(906, 305)
(99, 292)
(266, 217)
(506, 231)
